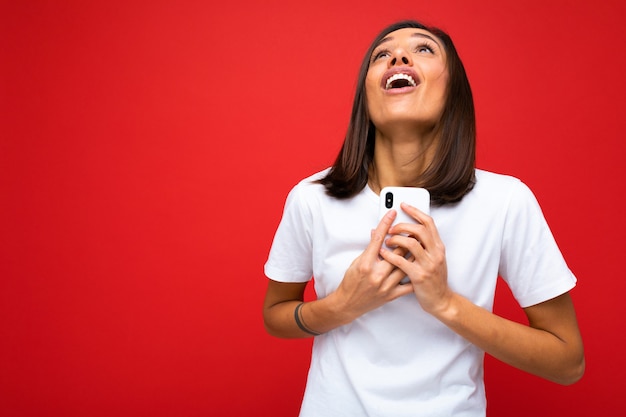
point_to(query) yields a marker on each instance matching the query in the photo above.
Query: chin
(404, 121)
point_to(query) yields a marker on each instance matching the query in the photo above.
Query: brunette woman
(383, 348)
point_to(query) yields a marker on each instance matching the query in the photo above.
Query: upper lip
(399, 70)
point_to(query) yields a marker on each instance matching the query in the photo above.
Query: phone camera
(389, 200)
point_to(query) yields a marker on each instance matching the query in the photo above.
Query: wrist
(448, 311)
(335, 309)
(299, 318)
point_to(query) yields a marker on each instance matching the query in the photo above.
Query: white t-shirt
(398, 360)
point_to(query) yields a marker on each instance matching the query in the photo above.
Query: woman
(383, 348)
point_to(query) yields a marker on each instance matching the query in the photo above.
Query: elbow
(280, 333)
(273, 329)
(269, 329)
(573, 372)
(267, 324)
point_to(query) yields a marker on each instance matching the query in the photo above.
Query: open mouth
(400, 80)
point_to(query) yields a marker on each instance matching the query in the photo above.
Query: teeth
(395, 77)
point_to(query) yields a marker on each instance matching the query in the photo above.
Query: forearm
(556, 354)
(313, 317)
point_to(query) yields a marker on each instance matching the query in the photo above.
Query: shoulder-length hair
(451, 174)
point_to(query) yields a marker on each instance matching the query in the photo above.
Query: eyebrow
(413, 35)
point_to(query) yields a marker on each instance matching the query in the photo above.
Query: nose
(400, 57)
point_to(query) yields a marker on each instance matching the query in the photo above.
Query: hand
(371, 281)
(426, 264)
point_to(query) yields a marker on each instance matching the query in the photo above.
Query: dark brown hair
(451, 174)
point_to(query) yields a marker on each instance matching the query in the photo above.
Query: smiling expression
(407, 80)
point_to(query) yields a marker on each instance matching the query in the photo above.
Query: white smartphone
(391, 197)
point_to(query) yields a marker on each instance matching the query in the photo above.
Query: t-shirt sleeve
(290, 257)
(531, 262)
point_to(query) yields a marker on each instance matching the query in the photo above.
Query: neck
(400, 160)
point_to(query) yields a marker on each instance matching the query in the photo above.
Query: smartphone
(391, 197)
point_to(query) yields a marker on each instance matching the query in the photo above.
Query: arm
(369, 282)
(550, 347)
(281, 300)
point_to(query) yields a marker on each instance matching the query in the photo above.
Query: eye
(424, 48)
(380, 54)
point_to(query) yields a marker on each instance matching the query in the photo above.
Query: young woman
(384, 348)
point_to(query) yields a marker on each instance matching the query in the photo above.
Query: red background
(146, 150)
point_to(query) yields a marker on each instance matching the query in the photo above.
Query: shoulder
(494, 181)
(507, 195)
(497, 196)
(500, 187)
(312, 180)
(308, 190)
(310, 185)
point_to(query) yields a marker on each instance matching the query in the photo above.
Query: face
(406, 80)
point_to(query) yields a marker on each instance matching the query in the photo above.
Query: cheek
(370, 93)
(369, 86)
(372, 81)
(441, 83)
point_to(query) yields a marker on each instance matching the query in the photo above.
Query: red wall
(146, 150)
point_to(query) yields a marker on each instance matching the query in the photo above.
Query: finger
(394, 286)
(413, 250)
(395, 259)
(399, 276)
(379, 234)
(425, 230)
(414, 212)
